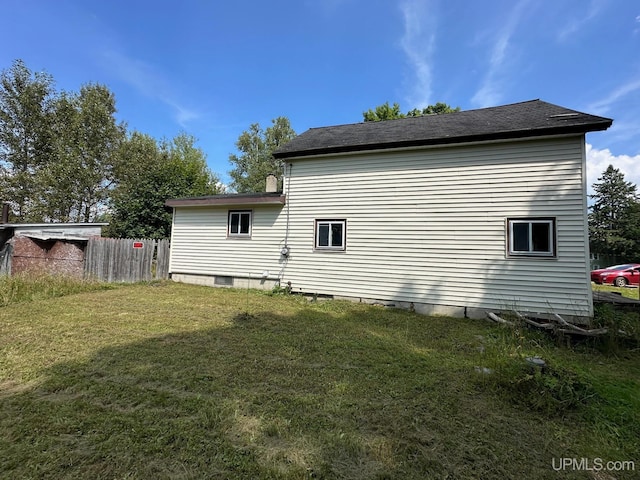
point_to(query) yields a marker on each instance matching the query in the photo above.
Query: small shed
(45, 247)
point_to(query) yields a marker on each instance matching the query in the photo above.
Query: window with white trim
(239, 223)
(533, 237)
(331, 234)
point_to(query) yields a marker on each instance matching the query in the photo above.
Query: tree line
(65, 158)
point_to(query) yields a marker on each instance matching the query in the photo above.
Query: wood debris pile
(556, 324)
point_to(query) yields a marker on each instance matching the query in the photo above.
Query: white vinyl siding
(428, 225)
(200, 245)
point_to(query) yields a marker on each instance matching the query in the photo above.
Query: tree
(388, 112)
(255, 162)
(436, 109)
(630, 226)
(56, 149)
(383, 112)
(65, 158)
(96, 138)
(150, 174)
(26, 114)
(77, 180)
(611, 221)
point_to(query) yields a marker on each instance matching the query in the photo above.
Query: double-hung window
(239, 224)
(331, 234)
(533, 237)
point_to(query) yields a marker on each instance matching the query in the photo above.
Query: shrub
(623, 326)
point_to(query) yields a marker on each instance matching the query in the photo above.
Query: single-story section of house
(458, 214)
(56, 248)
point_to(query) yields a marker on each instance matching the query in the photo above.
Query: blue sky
(213, 68)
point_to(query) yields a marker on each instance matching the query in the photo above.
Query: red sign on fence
(138, 244)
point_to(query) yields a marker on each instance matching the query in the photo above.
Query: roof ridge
(529, 118)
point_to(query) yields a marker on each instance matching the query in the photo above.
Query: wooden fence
(126, 259)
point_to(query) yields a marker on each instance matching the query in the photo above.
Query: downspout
(286, 232)
(285, 251)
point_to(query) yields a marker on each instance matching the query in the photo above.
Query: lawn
(186, 382)
(628, 292)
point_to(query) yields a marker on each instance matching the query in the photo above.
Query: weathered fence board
(162, 259)
(126, 259)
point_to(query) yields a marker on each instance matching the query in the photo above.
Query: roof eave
(537, 132)
(229, 200)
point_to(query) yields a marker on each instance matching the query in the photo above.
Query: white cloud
(599, 160)
(151, 83)
(491, 91)
(418, 44)
(602, 106)
(577, 23)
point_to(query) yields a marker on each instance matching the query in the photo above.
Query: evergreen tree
(611, 221)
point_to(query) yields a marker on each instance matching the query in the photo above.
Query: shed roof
(54, 231)
(55, 236)
(518, 120)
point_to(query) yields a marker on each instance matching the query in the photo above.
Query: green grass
(185, 382)
(31, 286)
(628, 292)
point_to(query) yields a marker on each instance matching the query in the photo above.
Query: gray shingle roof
(518, 120)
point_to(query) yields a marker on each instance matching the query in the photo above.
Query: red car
(619, 275)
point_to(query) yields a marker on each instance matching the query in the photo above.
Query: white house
(459, 214)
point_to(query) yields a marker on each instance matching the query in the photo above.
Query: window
(223, 281)
(531, 237)
(239, 223)
(330, 234)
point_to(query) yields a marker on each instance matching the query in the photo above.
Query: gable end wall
(428, 226)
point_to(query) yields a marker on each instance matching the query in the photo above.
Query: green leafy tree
(150, 174)
(383, 112)
(56, 149)
(255, 160)
(26, 114)
(97, 138)
(613, 216)
(436, 109)
(76, 182)
(391, 112)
